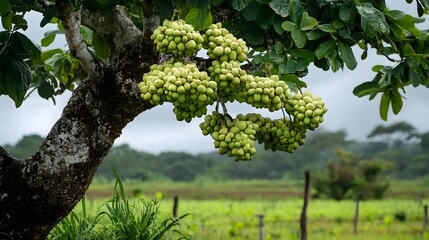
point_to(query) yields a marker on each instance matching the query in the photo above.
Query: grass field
(227, 210)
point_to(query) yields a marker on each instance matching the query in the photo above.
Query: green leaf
(251, 12)
(101, 46)
(292, 78)
(281, 7)
(337, 24)
(291, 66)
(49, 37)
(164, 8)
(414, 77)
(46, 90)
(4, 37)
(325, 49)
(299, 37)
(278, 25)
(420, 10)
(302, 53)
(6, 21)
(397, 14)
(278, 47)
(307, 22)
(24, 47)
(20, 22)
(46, 41)
(396, 29)
(48, 14)
(251, 33)
(315, 34)
(335, 64)
(372, 20)
(366, 88)
(258, 59)
(16, 81)
(5, 7)
(377, 68)
(239, 5)
(86, 34)
(326, 28)
(345, 12)
(200, 18)
(266, 19)
(295, 11)
(289, 26)
(384, 105)
(347, 55)
(396, 101)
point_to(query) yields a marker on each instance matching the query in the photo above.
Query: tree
(110, 48)
(395, 134)
(349, 177)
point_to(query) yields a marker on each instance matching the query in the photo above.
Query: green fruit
(218, 51)
(242, 125)
(201, 89)
(191, 44)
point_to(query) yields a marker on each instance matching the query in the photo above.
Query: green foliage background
(407, 158)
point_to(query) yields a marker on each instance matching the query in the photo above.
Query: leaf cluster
(288, 36)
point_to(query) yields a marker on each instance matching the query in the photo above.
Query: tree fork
(36, 193)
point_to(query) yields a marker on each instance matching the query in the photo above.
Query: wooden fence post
(261, 226)
(425, 218)
(175, 206)
(356, 218)
(303, 220)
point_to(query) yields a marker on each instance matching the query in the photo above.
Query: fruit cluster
(265, 92)
(229, 77)
(190, 90)
(308, 110)
(234, 137)
(222, 45)
(177, 37)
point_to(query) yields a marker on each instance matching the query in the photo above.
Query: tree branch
(41, 5)
(115, 27)
(5, 158)
(71, 20)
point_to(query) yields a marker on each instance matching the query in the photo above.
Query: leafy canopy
(285, 36)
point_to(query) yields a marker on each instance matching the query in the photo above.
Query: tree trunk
(36, 193)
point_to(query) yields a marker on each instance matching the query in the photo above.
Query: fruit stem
(284, 115)
(225, 111)
(175, 13)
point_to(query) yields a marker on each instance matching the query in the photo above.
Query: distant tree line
(398, 149)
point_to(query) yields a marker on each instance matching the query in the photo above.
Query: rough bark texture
(36, 193)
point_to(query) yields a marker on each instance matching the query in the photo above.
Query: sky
(157, 130)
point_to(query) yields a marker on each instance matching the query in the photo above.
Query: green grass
(327, 219)
(214, 214)
(119, 218)
(242, 189)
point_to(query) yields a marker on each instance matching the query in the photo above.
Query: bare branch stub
(71, 20)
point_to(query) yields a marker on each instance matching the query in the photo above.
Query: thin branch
(389, 58)
(71, 20)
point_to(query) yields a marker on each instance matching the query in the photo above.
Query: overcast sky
(157, 130)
